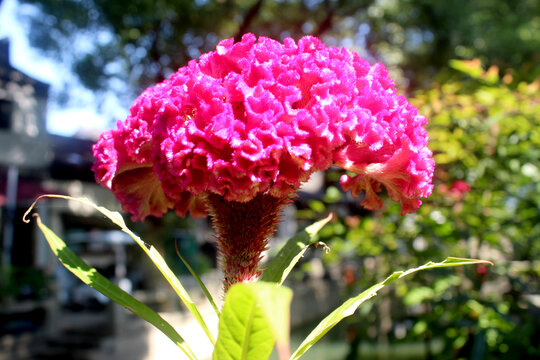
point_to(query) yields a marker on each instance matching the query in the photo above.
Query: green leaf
(254, 316)
(199, 281)
(150, 251)
(280, 267)
(473, 68)
(349, 307)
(93, 278)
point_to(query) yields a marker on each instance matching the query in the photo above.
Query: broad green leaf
(93, 278)
(293, 250)
(152, 253)
(276, 302)
(254, 316)
(349, 307)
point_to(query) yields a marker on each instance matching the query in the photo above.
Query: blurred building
(32, 163)
(24, 145)
(34, 287)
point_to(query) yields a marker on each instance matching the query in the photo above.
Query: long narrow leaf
(349, 307)
(152, 253)
(93, 278)
(293, 250)
(201, 284)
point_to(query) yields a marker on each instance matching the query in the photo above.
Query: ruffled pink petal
(259, 117)
(106, 159)
(134, 184)
(406, 175)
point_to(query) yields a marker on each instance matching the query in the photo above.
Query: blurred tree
(128, 45)
(485, 132)
(423, 35)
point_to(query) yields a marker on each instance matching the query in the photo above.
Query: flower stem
(242, 233)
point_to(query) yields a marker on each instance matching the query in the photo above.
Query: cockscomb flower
(250, 122)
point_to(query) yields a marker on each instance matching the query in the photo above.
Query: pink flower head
(460, 188)
(259, 117)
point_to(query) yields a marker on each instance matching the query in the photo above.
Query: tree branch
(326, 24)
(248, 19)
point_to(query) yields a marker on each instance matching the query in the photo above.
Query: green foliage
(287, 257)
(349, 307)
(484, 128)
(199, 281)
(150, 251)
(253, 317)
(93, 278)
(486, 131)
(22, 282)
(133, 44)
(433, 32)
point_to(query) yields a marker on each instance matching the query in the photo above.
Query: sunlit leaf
(254, 316)
(152, 253)
(93, 278)
(293, 250)
(199, 281)
(473, 68)
(349, 307)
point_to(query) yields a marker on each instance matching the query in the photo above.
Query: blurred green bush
(485, 132)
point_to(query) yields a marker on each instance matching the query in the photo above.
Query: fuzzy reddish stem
(242, 233)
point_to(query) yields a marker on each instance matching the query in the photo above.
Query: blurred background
(70, 68)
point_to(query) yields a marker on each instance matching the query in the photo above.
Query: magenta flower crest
(259, 117)
(255, 119)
